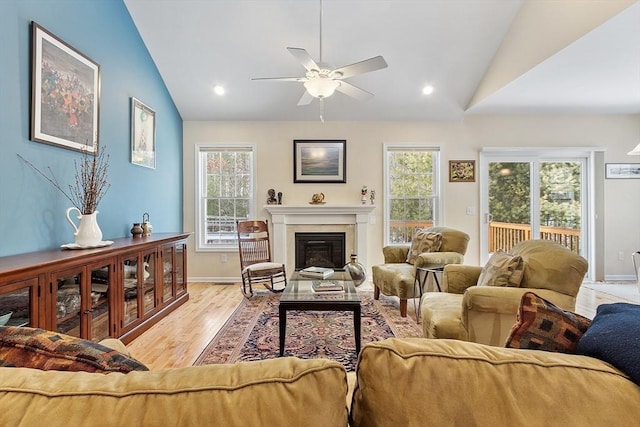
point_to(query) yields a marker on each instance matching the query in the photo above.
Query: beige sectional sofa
(399, 382)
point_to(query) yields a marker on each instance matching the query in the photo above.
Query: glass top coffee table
(299, 295)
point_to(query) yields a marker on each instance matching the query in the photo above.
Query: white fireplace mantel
(283, 216)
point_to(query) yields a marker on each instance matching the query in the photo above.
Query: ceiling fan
(321, 81)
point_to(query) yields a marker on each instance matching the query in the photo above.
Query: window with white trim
(224, 193)
(412, 196)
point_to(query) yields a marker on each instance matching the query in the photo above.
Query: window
(411, 190)
(224, 193)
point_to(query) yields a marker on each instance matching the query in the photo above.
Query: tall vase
(356, 270)
(87, 233)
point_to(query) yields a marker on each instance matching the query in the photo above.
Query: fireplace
(320, 250)
(286, 220)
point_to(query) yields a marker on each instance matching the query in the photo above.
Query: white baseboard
(619, 278)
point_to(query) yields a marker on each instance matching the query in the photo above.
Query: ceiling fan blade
(366, 66)
(306, 99)
(305, 59)
(282, 79)
(354, 91)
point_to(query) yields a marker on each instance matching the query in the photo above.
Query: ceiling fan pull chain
(321, 34)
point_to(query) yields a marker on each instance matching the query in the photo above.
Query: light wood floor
(178, 339)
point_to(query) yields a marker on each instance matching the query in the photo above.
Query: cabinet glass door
(167, 273)
(149, 283)
(130, 289)
(100, 296)
(68, 300)
(16, 302)
(181, 282)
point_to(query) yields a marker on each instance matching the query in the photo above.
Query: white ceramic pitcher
(87, 233)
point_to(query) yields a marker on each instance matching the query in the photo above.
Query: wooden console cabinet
(116, 291)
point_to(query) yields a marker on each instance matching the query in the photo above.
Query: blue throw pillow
(614, 336)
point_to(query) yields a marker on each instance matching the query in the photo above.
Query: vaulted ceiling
(481, 57)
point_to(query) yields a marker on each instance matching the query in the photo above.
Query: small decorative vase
(136, 230)
(356, 270)
(87, 233)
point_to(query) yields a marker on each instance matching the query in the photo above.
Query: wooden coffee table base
(318, 306)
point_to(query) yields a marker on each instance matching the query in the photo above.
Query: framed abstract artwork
(143, 135)
(462, 171)
(65, 93)
(319, 161)
(622, 170)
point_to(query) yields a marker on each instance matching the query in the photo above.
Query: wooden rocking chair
(255, 258)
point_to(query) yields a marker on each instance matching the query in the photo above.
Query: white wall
(458, 141)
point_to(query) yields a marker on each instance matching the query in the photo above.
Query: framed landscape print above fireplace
(65, 93)
(319, 161)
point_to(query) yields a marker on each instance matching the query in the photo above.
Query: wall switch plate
(471, 210)
(621, 256)
(223, 258)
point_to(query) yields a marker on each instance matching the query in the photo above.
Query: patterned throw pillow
(24, 347)
(502, 269)
(541, 325)
(423, 241)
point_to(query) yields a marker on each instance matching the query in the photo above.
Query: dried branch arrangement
(91, 180)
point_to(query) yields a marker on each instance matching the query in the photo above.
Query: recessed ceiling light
(219, 90)
(427, 90)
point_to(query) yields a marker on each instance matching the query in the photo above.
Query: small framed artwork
(622, 170)
(143, 135)
(319, 161)
(462, 171)
(65, 93)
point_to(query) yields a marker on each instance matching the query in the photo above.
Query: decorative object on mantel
(279, 197)
(373, 197)
(271, 200)
(317, 199)
(147, 228)
(363, 194)
(356, 270)
(136, 230)
(85, 194)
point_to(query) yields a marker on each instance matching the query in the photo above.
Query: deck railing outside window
(503, 235)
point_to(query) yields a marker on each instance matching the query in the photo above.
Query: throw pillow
(502, 269)
(614, 336)
(541, 325)
(39, 349)
(423, 241)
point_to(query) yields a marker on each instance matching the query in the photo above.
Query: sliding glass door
(537, 195)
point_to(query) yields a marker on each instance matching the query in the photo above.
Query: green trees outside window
(412, 191)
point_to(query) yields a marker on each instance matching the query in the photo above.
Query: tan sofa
(485, 314)
(277, 392)
(423, 382)
(396, 277)
(400, 382)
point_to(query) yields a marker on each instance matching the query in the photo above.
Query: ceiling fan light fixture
(427, 90)
(321, 87)
(635, 151)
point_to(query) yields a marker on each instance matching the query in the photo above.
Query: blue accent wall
(32, 211)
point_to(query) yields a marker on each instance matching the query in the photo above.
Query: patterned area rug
(251, 333)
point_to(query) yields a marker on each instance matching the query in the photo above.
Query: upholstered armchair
(396, 276)
(485, 314)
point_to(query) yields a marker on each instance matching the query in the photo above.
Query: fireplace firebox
(320, 250)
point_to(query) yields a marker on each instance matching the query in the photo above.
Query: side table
(422, 274)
